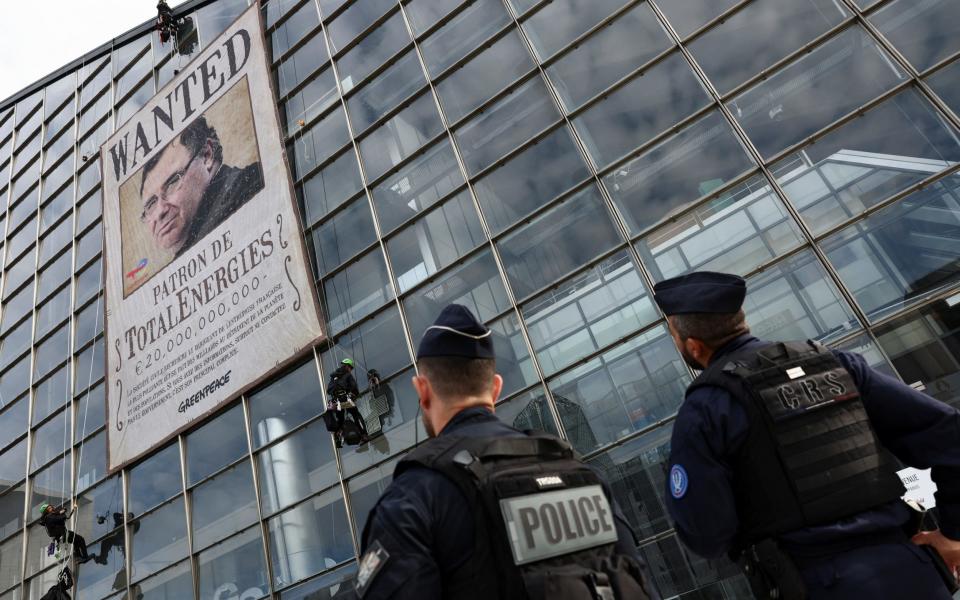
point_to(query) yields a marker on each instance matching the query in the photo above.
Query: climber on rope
(342, 417)
(54, 520)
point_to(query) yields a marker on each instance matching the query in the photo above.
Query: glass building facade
(544, 163)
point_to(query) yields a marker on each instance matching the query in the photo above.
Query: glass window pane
(863, 345)
(506, 124)
(391, 87)
(903, 252)
(379, 45)
(89, 281)
(310, 101)
(91, 461)
(530, 179)
(435, 240)
(296, 467)
(474, 82)
(558, 241)
(462, 34)
(688, 15)
(924, 348)
(216, 444)
(174, 583)
(796, 300)
(528, 410)
(587, 312)
(13, 421)
(16, 306)
(733, 232)
(16, 379)
(656, 184)
(340, 238)
(11, 559)
(944, 83)
(91, 412)
(315, 532)
(356, 18)
(376, 344)
(924, 32)
(236, 564)
(51, 395)
(678, 572)
(635, 473)
(889, 148)
(401, 136)
(13, 462)
(356, 291)
(336, 585)
(212, 20)
(428, 177)
(285, 403)
(365, 491)
(561, 21)
(814, 90)
(50, 440)
(513, 358)
(15, 342)
(639, 110)
(51, 485)
(625, 389)
(37, 558)
(90, 367)
(223, 505)
(320, 142)
(158, 539)
(89, 244)
(476, 284)
(293, 28)
(100, 511)
(330, 186)
(89, 210)
(607, 55)
(128, 80)
(52, 276)
(155, 480)
(424, 13)
(299, 65)
(89, 324)
(754, 37)
(56, 240)
(51, 352)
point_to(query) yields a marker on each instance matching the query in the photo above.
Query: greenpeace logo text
(203, 392)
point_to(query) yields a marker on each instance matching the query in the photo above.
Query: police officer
(782, 455)
(455, 524)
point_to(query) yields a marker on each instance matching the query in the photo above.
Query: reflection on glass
(378, 97)
(155, 480)
(158, 539)
(50, 485)
(530, 179)
(676, 571)
(558, 241)
(647, 105)
(677, 171)
(814, 90)
(513, 358)
(627, 388)
(515, 118)
(330, 187)
(924, 32)
(476, 284)
(376, 344)
(944, 83)
(100, 510)
(796, 300)
(319, 142)
(891, 147)
(559, 22)
(733, 232)
(176, 582)
(372, 51)
(393, 141)
(428, 177)
(462, 34)
(234, 567)
(293, 28)
(357, 17)
(107, 572)
(343, 236)
(863, 345)
(528, 410)
(587, 312)
(335, 585)
(310, 101)
(924, 348)
(290, 399)
(11, 559)
(357, 290)
(298, 66)
(435, 240)
(223, 505)
(13, 423)
(688, 15)
(903, 252)
(754, 37)
(91, 461)
(310, 538)
(472, 83)
(215, 445)
(609, 54)
(636, 473)
(365, 491)
(50, 440)
(296, 467)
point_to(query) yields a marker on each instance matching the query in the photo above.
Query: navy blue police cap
(700, 292)
(456, 332)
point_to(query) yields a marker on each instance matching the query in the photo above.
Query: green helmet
(348, 361)
(44, 507)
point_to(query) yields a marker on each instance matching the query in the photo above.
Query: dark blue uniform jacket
(424, 523)
(919, 430)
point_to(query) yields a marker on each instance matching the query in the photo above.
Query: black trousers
(79, 544)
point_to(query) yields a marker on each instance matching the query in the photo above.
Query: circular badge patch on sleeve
(678, 481)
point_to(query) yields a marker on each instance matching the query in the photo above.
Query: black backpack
(550, 523)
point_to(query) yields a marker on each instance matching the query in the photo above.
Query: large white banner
(208, 289)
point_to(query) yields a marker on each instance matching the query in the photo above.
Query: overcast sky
(38, 37)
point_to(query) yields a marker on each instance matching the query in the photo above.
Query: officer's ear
(424, 390)
(497, 387)
(698, 350)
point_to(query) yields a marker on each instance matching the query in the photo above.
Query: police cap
(456, 332)
(700, 292)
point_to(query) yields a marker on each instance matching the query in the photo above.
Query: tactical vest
(811, 456)
(544, 527)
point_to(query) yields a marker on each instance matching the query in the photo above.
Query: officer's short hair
(193, 137)
(713, 329)
(455, 376)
